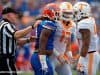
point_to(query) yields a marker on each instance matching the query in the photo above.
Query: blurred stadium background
(31, 9)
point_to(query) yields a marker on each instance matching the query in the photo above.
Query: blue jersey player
(44, 43)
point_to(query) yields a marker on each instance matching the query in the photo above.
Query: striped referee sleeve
(9, 30)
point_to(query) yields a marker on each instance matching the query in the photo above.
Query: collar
(6, 20)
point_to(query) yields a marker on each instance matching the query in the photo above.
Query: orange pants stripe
(90, 63)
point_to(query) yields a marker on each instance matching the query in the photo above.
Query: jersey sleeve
(50, 25)
(85, 26)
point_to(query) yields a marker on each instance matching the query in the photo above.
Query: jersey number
(64, 36)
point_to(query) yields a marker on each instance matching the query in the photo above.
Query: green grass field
(30, 73)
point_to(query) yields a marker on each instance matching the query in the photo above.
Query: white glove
(59, 56)
(81, 64)
(43, 62)
(69, 54)
(70, 57)
(61, 59)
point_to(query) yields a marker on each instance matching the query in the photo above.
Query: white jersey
(62, 36)
(88, 23)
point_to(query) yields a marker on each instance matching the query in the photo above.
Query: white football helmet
(66, 11)
(81, 9)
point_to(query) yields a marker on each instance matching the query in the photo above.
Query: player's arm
(67, 54)
(23, 41)
(11, 32)
(45, 33)
(68, 51)
(71, 41)
(42, 48)
(85, 33)
(21, 33)
(43, 41)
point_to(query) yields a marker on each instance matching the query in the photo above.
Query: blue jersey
(48, 25)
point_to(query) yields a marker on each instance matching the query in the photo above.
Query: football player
(65, 34)
(44, 43)
(87, 35)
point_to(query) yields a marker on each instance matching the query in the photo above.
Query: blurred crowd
(32, 8)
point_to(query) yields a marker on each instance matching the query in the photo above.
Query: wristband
(43, 61)
(42, 58)
(28, 40)
(32, 26)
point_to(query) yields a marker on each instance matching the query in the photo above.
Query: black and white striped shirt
(7, 41)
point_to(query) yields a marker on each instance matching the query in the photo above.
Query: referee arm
(23, 41)
(11, 31)
(23, 32)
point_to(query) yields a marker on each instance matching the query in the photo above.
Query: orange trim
(90, 62)
(95, 29)
(81, 6)
(69, 6)
(62, 36)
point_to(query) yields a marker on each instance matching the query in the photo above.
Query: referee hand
(32, 38)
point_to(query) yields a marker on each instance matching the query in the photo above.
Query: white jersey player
(66, 29)
(87, 35)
